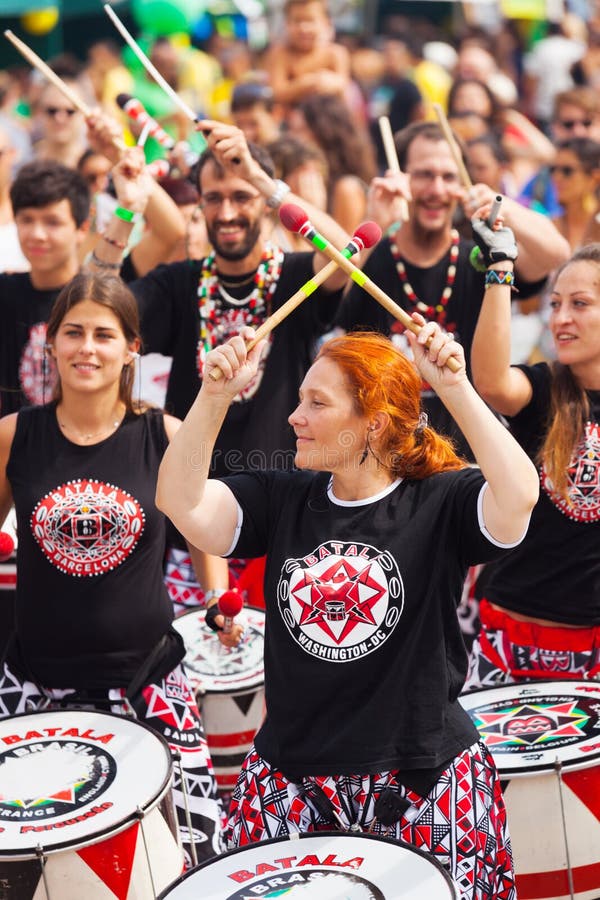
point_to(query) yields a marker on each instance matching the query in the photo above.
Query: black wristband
(211, 614)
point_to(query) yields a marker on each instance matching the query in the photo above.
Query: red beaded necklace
(435, 312)
(251, 310)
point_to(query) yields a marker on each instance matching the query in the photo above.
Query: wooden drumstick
(153, 71)
(41, 66)
(296, 220)
(392, 158)
(149, 66)
(454, 148)
(366, 235)
(52, 77)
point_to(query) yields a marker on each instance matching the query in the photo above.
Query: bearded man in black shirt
(424, 265)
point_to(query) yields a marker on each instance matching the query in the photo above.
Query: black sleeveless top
(91, 602)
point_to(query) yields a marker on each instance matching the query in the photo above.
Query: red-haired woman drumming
(367, 548)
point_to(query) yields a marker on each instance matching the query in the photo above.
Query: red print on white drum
(37, 369)
(87, 527)
(583, 480)
(342, 601)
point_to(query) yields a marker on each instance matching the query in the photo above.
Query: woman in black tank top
(540, 607)
(93, 618)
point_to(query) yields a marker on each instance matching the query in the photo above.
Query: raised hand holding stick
(392, 158)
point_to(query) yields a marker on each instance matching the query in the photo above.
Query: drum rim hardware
(313, 835)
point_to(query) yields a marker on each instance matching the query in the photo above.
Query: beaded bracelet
(279, 194)
(211, 593)
(496, 276)
(125, 214)
(120, 245)
(102, 264)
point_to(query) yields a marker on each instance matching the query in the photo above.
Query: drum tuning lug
(42, 859)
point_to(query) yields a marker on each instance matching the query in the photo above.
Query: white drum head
(335, 866)
(213, 668)
(69, 777)
(530, 727)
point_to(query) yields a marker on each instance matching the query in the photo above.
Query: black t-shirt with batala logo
(364, 658)
(26, 372)
(255, 433)
(555, 573)
(91, 602)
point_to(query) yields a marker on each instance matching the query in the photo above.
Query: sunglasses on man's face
(570, 124)
(55, 110)
(565, 171)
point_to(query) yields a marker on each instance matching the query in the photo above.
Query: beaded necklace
(251, 310)
(436, 313)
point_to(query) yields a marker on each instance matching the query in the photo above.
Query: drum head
(213, 668)
(69, 777)
(332, 865)
(530, 727)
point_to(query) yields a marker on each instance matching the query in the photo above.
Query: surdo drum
(85, 808)
(321, 865)
(545, 740)
(229, 687)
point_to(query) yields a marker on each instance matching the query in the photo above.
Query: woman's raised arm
(204, 510)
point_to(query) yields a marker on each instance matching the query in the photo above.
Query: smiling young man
(51, 206)
(424, 265)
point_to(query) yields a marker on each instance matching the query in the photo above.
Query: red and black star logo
(339, 599)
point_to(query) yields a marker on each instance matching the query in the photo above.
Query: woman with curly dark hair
(327, 122)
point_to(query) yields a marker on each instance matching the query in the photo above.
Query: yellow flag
(523, 9)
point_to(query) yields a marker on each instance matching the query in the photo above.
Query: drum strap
(389, 807)
(100, 697)
(324, 806)
(143, 676)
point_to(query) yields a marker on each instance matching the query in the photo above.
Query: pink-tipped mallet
(295, 219)
(230, 605)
